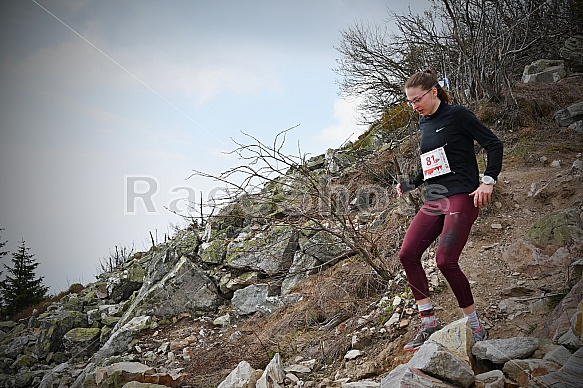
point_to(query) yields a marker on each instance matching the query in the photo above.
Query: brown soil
(341, 300)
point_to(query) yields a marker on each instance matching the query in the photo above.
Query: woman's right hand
(399, 190)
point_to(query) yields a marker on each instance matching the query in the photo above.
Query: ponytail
(427, 80)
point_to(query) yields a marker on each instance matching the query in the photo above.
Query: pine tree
(21, 288)
(2, 254)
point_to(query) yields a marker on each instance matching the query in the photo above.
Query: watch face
(488, 180)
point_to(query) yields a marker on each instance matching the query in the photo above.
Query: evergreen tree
(2, 244)
(21, 288)
(2, 254)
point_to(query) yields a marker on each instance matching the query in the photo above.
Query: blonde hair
(427, 80)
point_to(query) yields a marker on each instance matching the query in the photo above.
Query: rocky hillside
(252, 299)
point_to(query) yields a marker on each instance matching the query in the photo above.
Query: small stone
(393, 320)
(556, 164)
(496, 226)
(404, 323)
(352, 354)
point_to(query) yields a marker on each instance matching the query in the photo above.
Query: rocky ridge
(209, 306)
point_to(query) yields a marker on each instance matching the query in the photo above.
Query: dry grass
(42, 306)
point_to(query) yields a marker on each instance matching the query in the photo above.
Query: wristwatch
(488, 180)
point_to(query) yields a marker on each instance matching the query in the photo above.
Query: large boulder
(257, 298)
(270, 252)
(118, 342)
(457, 338)
(437, 361)
(315, 253)
(544, 70)
(82, 341)
(559, 320)
(184, 288)
(53, 328)
(122, 284)
(243, 376)
(548, 244)
(558, 229)
(570, 114)
(523, 256)
(499, 351)
(572, 52)
(570, 374)
(406, 376)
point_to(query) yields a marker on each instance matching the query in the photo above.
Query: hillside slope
(343, 308)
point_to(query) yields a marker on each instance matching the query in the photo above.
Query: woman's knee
(446, 265)
(406, 254)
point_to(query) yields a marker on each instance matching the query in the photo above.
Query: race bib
(434, 163)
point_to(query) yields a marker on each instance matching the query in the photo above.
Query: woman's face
(422, 100)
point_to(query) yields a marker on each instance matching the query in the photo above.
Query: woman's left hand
(483, 195)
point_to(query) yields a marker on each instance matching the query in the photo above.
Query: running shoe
(422, 335)
(480, 333)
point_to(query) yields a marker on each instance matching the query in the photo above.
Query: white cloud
(346, 126)
(200, 75)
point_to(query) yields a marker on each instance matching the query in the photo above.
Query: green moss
(564, 147)
(523, 149)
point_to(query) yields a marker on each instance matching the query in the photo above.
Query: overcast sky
(107, 106)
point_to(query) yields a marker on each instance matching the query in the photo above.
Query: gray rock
(512, 306)
(573, 113)
(457, 338)
(72, 302)
(576, 111)
(500, 351)
(321, 249)
(541, 65)
(558, 322)
(404, 376)
(563, 118)
(273, 376)
(54, 376)
(437, 361)
(555, 164)
(82, 341)
(243, 376)
(361, 384)
(570, 340)
(121, 372)
(120, 339)
(270, 252)
(492, 379)
(572, 52)
(560, 355)
(577, 127)
(53, 328)
(302, 266)
(544, 70)
(16, 347)
(522, 370)
(255, 298)
(123, 283)
(185, 288)
(213, 252)
(570, 374)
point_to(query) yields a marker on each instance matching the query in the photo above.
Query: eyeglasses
(417, 100)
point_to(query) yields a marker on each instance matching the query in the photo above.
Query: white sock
(474, 322)
(427, 314)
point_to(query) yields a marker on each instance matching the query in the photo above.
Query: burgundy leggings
(450, 219)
